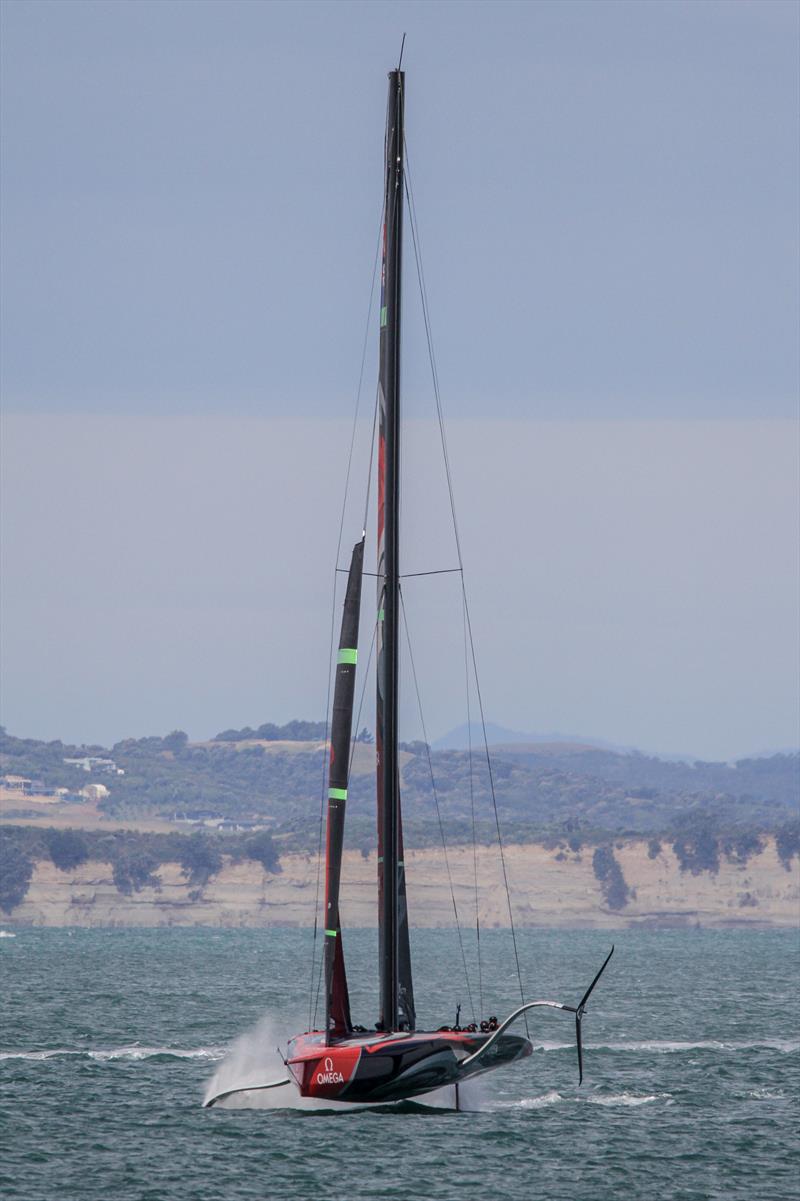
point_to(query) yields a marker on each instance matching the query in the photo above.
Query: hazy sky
(635, 581)
(608, 198)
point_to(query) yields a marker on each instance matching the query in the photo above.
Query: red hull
(392, 1067)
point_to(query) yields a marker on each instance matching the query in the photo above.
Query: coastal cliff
(548, 888)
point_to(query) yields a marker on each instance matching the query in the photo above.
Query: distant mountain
(459, 739)
(778, 750)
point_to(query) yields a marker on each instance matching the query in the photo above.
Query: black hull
(407, 1074)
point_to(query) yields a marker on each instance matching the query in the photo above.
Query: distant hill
(293, 731)
(162, 813)
(777, 750)
(459, 738)
(543, 789)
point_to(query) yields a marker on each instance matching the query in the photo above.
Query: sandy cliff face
(546, 890)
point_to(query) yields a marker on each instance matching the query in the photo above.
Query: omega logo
(329, 1076)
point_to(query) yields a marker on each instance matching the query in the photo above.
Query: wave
(7, 934)
(551, 1098)
(213, 1054)
(627, 1099)
(132, 1053)
(671, 1047)
(555, 1098)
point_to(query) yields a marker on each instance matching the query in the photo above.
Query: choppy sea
(109, 1040)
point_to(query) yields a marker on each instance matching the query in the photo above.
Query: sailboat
(342, 1061)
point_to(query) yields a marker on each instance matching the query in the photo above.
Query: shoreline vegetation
(161, 831)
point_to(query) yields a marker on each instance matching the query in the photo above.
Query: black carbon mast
(396, 990)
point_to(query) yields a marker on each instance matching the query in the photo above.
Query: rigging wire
(440, 416)
(406, 575)
(371, 461)
(333, 604)
(472, 812)
(415, 575)
(436, 802)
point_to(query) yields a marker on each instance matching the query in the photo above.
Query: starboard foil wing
(469, 1064)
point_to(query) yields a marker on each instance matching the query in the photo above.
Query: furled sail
(337, 1002)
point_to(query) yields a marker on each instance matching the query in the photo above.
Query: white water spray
(254, 1060)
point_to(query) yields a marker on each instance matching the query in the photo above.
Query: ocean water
(109, 1040)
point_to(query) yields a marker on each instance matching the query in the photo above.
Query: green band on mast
(330, 933)
(347, 654)
(337, 794)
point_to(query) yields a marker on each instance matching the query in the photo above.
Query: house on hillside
(94, 792)
(94, 763)
(16, 783)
